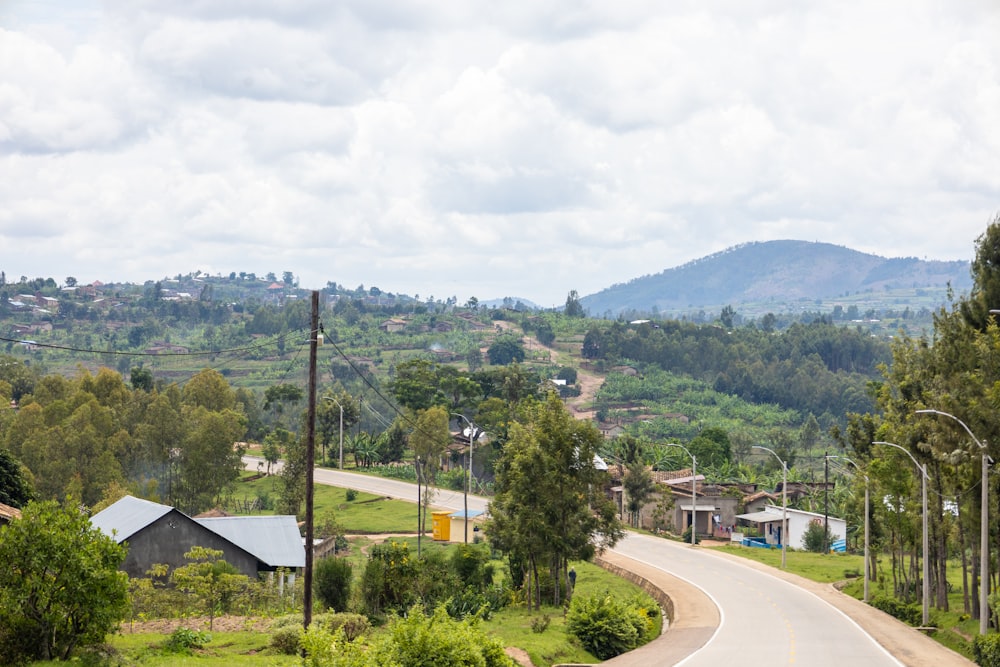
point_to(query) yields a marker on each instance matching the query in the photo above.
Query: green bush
(686, 536)
(815, 539)
(606, 625)
(286, 620)
(387, 583)
(353, 625)
(911, 614)
(287, 639)
(332, 582)
(472, 565)
(184, 640)
(986, 650)
(350, 495)
(540, 624)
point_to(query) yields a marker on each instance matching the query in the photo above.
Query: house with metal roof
(770, 520)
(156, 533)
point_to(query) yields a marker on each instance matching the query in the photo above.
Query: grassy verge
(555, 645)
(237, 649)
(367, 513)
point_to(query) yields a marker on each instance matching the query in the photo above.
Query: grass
(238, 649)
(555, 645)
(513, 626)
(367, 513)
(824, 568)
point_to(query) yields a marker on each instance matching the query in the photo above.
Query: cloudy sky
(466, 148)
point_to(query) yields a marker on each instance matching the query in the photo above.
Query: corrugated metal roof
(274, 540)
(127, 517)
(760, 517)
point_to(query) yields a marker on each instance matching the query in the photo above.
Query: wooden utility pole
(310, 460)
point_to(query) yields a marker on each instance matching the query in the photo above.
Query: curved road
(759, 617)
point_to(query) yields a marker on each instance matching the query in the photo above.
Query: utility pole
(826, 502)
(310, 460)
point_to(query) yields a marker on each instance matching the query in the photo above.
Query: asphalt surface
(728, 609)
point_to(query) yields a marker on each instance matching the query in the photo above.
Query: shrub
(472, 565)
(60, 587)
(332, 582)
(816, 539)
(911, 614)
(412, 639)
(607, 626)
(686, 536)
(350, 495)
(353, 625)
(388, 579)
(287, 639)
(986, 650)
(540, 624)
(184, 640)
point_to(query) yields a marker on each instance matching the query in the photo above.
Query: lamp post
(341, 461)
(984, 525)
(867, 520)
(473, 435)
(923, 493)
(694, 493)
(784, 501)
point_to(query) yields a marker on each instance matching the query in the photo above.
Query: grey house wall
(167, 539)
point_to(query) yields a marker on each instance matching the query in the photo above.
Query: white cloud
(520, 149)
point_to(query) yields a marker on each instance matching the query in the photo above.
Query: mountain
(776, 274)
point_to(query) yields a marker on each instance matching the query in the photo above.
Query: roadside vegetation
(138, 390)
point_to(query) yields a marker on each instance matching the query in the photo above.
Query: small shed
(458, 525)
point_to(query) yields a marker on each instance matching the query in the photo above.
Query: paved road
(764, 620)
(729, 611)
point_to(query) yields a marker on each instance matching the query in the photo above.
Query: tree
(60, 586)
(985, 293)
(506, 349)
(573, 306)
(276, 396)
(549, 505)
(711, 447)
(15, 486)
(394, 443)
(638, 485)
(332, 582)
(415, 384)
(328, 412)
(210, 462)
(726, 317)
(70, 281)
(544, 333)
(593, 344)
(428, 441)
(211, 580)
(141, 378)
(209, 389)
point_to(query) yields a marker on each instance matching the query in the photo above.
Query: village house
(158, 533)
(392, 325)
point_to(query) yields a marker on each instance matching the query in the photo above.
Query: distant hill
(776, 273)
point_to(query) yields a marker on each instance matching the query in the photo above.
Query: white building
(769, 519)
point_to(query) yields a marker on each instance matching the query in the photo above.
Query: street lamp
(473, 436)
(867, 520)
(694, 494)
(923, 493)
(984, 526)
(331, 398)
(784, 501)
